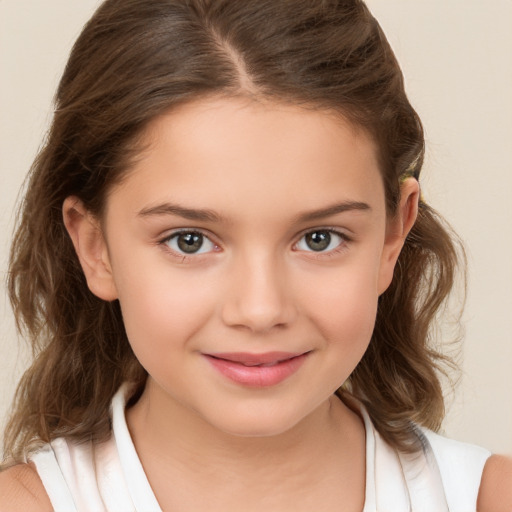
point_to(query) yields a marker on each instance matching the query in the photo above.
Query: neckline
(138, 485)
(140, 489)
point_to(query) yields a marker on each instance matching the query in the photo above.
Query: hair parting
(138, 59)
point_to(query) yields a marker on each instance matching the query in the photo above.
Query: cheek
(344, 308)
(347, 322)
(348, 313)
(162, 309)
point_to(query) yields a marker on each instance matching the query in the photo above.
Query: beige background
(456, 58)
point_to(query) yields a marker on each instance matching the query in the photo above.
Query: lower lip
(257, 376)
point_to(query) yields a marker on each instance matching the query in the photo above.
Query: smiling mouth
(257, 370)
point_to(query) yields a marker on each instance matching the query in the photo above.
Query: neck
(175, 444)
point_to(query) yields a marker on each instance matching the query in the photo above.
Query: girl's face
(248, 248)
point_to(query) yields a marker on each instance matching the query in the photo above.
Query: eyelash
(341, 247)
(344, 240)
(165, 243)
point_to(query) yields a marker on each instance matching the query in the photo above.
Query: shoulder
(495, 493)
(460, 466)
(21, 489)
(456, 459)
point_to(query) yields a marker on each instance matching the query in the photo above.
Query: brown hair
(136, 59)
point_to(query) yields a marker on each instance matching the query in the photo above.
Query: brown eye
(190, 242)
(318, 240)
(321, 240)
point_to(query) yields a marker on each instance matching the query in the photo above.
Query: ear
(90, 246)
(397, 229)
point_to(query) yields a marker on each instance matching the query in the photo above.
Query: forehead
(214, 152)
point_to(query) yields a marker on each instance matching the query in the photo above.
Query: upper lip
(255, 359)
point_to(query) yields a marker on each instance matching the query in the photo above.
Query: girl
(228, 274)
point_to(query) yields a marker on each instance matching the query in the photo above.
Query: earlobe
(90, 246)
(397, 230)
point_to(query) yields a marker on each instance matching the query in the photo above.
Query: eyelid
(345, 239)
(336, 231)
(163, 241)
(177, 231)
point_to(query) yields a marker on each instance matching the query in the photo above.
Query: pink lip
(257, 370)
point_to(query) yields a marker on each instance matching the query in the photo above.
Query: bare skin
(315, 466)
(21, 489)
(252, 182)
(495, 493)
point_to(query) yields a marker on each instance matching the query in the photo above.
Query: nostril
(258, 299)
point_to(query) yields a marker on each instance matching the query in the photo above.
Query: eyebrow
(207, 215)
(334, 209)
(198, 214)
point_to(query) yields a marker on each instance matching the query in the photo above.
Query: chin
(257, 423)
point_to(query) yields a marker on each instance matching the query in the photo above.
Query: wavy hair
(136, 59)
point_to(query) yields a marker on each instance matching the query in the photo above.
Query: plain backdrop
(456, 59)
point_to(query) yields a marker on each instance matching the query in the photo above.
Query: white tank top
(108, 477)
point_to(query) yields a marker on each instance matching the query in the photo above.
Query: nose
(259, 297)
